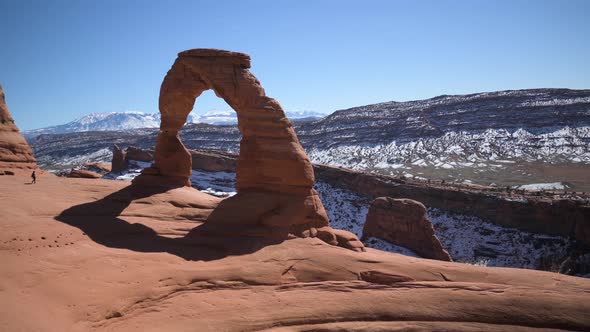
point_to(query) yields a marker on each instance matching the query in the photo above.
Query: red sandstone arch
(271, 157)
(274, 176)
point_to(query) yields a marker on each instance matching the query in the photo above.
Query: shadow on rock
(99, 220)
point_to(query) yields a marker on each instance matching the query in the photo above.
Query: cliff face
(534, 110)
(15, 152)
(536, 214)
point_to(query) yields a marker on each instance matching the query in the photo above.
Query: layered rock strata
(542, 214)
(15, 152)
(274, 178)
(404, 222)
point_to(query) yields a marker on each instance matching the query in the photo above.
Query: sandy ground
(85, 254)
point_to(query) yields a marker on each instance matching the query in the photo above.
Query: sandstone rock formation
(122, 159)
(119, 162)
(82, 173)
(404, 222)
(135, 153)
(214, 161)
(15, 152)
(274, 176)
(101, 168)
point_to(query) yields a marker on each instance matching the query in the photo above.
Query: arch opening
(210, 109)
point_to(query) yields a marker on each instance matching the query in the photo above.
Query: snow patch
(543, 186)
(462, 149)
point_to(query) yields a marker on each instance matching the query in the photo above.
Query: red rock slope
(85, 255)
(15, 152)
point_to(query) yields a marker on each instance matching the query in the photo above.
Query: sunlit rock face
(15, 152)
(404, 222)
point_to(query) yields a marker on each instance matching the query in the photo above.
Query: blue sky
(60, 60)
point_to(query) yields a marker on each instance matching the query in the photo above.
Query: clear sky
(60, 60)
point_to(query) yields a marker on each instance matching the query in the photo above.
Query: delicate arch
(274, 176)
(271, 157)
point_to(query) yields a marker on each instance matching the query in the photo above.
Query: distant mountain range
(135, 119)
(506, 137)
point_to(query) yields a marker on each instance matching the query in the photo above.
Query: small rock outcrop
(135, 153)
(119, 162)
(404, 222)
(82, 173)
(100, 168)
(213, 161)
(123, 159)
(15, 152)
(274, 177)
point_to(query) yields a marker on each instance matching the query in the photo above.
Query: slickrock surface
(274, 176)
(404, 222)
(85, 255)
(15, 152)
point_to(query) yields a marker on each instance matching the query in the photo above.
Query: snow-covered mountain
(229, 117)
(216, 117)
(120, 121)
(453, 149)
(109, 121)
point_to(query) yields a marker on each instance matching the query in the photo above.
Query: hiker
(34, 177)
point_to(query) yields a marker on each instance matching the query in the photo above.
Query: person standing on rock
(34, 177)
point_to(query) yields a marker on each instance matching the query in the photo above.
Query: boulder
(135, 153)
(119, 163)
(81, 173)
(101, 168)
(274, 176)
(404, 222)
(213, 161)
(15, 152)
